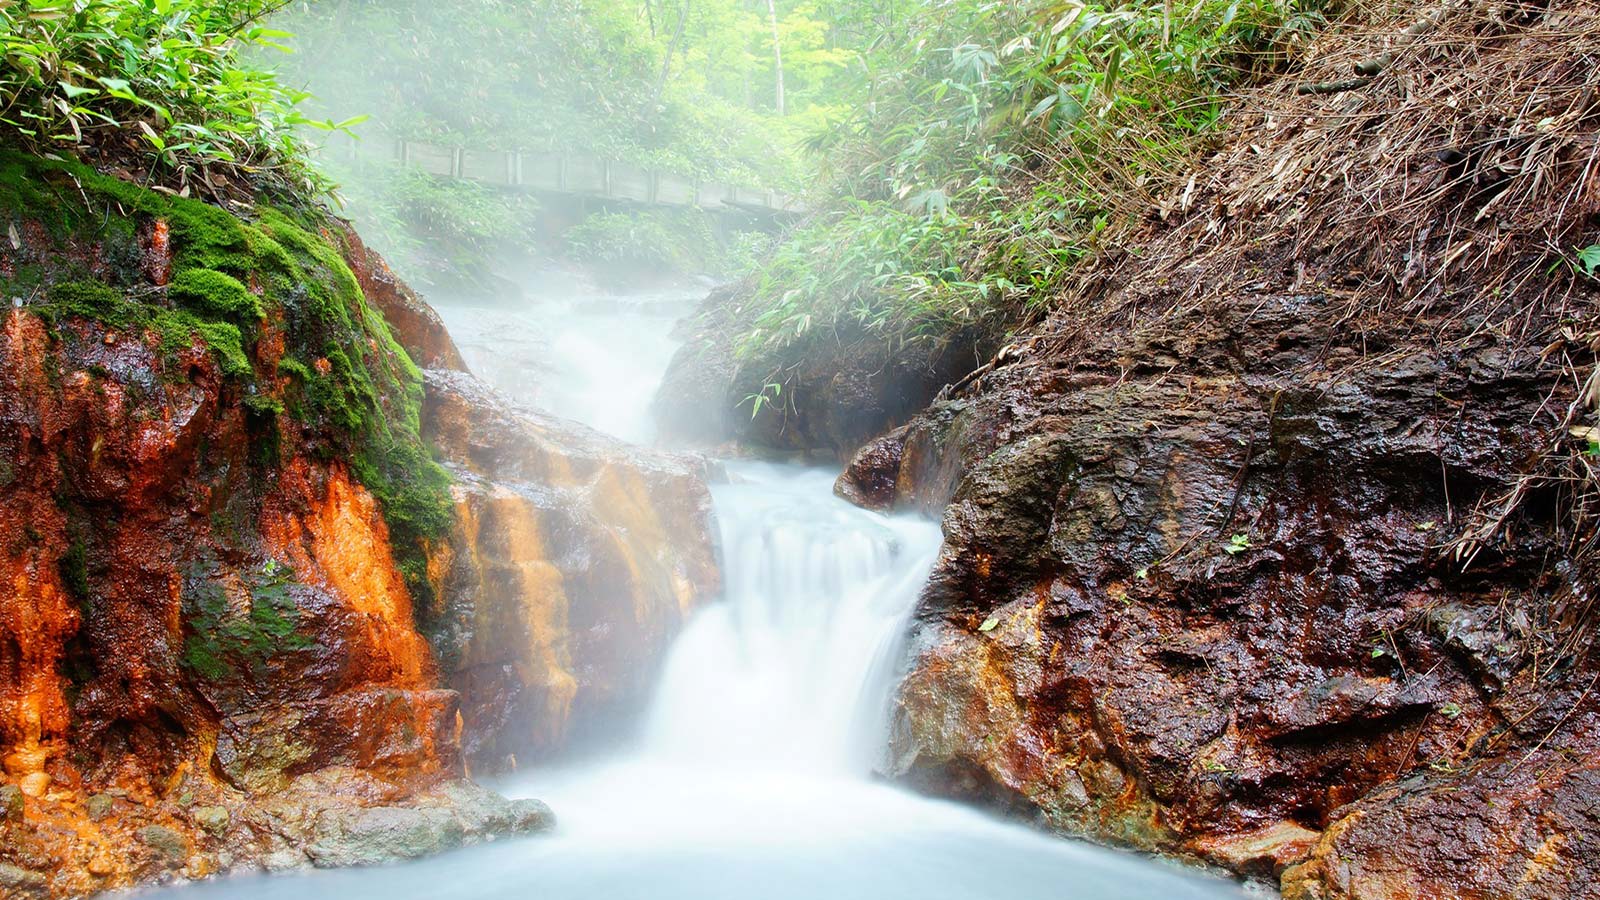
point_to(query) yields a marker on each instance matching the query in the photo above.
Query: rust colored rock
(1281, 527)
(415, 324)
(206, 642)
(158, 252)
(574, 562)
(1520, 828)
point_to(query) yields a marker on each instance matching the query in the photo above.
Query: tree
(777, 55)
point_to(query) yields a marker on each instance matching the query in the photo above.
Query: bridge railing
(556, 172)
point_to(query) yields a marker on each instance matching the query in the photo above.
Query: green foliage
(653, 242)
(166, 73)
(681, 85)
(761, 400)
(987, 146)
(1589, 260)
(1237, 544)
(435, 230)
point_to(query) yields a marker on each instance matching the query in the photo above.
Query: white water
(751, 780)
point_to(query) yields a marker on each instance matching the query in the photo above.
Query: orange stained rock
(625, 500)
(158, 253)
(538, 629)
(339, 540)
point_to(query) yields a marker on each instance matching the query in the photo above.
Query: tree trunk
(672, 48)
(777, 54)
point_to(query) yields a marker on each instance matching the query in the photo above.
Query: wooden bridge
(554, 172)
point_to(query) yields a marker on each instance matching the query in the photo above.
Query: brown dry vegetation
(1437, 201)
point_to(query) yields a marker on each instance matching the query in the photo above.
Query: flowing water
(752, 774)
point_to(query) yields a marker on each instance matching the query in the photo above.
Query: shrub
(87, 74)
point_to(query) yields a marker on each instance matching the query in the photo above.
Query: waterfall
(793, 669)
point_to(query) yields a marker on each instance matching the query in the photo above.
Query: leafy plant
(990, 145)
(646, 244)
(760, 401)
(1237, 544)
(1589, 260)
(165, 73)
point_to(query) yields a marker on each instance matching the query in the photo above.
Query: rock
(416, 325)
(36, 784)
(368, 837)
(202, 597)
(19, 882)
(486, 813)
(836, 393)
(101, 865)
(165, 841)
(529, 816)
(99, 806)
(1523, 828)
(574, 562)
(214, 820)
(1264, 851)
(12, 803)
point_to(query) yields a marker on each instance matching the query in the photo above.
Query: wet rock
(213, 820)
(1193, 601)
(485, 812)
(166, 842)
(355, 827)
(99, 806)
(368, 837)
(20, 882)
(835, 395)
(415, 324)
(204, 608)
(1522, 828)
(12, 803)
(1265, 851)
(574, 562)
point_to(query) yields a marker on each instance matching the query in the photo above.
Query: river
(751, 775)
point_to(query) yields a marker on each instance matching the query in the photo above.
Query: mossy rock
(353, 392)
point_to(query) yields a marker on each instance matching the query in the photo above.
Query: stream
(751, 776)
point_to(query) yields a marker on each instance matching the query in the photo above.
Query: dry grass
(1431, 168)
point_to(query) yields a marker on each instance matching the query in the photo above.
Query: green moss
(214, 293)
(91, 300)
(179, 329)
(221, 642)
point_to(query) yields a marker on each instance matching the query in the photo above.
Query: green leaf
(990, 624)
(1589, 259)
(1113, 69)
(1237, 544)
(73, 91)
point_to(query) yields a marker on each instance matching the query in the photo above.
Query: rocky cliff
(234, 576)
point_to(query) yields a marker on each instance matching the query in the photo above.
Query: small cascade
(793, 669)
